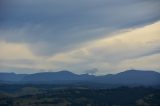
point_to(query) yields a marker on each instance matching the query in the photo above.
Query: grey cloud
(19, 70)
(124, 54)
(92, 71)
(21, 61)
(53, 26)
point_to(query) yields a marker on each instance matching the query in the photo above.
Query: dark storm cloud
(48, 25)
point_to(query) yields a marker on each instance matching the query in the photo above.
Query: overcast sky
(101, 36)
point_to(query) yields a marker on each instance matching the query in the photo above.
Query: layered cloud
(110, 35)
(49, 25)
(139, 48)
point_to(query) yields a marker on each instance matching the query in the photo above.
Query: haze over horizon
(100, 36)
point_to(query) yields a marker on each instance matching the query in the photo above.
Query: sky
(83, 36)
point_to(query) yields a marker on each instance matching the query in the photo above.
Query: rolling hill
(128, 78)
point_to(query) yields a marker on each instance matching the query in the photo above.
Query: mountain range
(129, 78)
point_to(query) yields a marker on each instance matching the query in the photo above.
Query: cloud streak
(79, 35)
(120, 52)
(49, 25)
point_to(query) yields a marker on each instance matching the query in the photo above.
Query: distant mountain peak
(128, 77)
(138, 71)
(65, 71)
